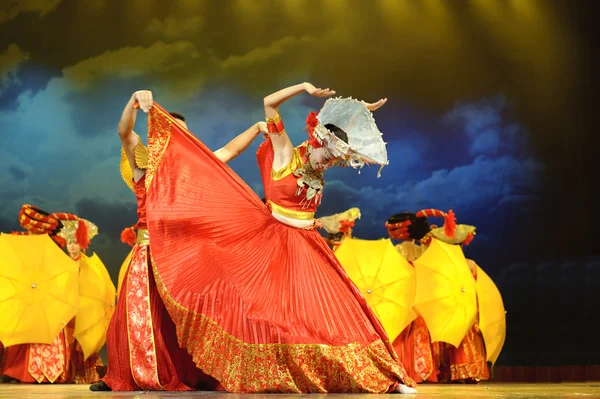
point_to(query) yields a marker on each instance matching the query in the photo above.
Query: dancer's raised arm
(236, 146)
(125, 128)
(282, 146)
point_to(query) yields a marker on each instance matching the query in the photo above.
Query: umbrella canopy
(97, 304)
(445, 292)
(492, 316)
(39, 293)
(384, 277)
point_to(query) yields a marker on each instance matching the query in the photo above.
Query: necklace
(312, 181)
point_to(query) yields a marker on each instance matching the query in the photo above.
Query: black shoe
(100, 386)
(5, 379)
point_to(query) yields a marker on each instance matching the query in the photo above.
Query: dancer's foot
(100, 386)
(405, 389)
(5, 379)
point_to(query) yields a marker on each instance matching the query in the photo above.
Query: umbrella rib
(11, 279)
(384, 299)
(354, 253)
(390, 283)
(435, 271)
(49, 278)
(61, 300)
(448, 322)
(47, 319)
(9, 298)
(380, 264)
(435, 299)
(19, 318)
(52, 277)
(23, 309)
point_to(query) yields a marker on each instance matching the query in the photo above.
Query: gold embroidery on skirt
(293, 368)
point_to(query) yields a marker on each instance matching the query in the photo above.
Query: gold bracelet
(274, 119)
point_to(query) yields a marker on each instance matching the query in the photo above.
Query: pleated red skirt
(261, 306)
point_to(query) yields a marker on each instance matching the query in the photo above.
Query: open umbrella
(492, 316)
(39, 293)
(445, 292)
(384, 277)
(97, 304)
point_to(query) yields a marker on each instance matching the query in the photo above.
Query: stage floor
(479, 391)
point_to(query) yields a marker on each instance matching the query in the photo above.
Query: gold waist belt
(290, 213)
(143, 237)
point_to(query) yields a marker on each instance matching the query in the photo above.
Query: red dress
(60, 362)
(416, 351)
(413, 345)
(143, 353)
(468, 360)
(261, 306)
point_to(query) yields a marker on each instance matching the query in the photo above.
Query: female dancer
(63, 361)
(259, 300)
(143, 353)
(437, 361)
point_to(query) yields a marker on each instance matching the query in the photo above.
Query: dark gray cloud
(17, 173)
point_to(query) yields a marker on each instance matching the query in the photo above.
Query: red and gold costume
(468, 360)
(63, 361)
(260, 305)
(143, 353)
(413, 345)
(438, 361)
(339, 226)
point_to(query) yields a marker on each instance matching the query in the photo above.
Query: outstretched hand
(144, 99)
(317, 92)
(262, 128)
(374, 106)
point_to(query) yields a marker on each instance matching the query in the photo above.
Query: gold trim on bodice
(307, 179)
(287, 170)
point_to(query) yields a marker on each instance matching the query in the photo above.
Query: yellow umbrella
(384, 277)
(445, 293)
(123, 271)
(492, 316)
(39, 294)
(97, 304)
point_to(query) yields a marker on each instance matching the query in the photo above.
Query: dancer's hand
(374, 106)
(262, 127)
(313, 91)
(144, 99)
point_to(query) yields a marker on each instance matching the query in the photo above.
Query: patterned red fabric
(143, 353)
(414, 347)
(48, 361)
(467, 362)
(61, 362)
